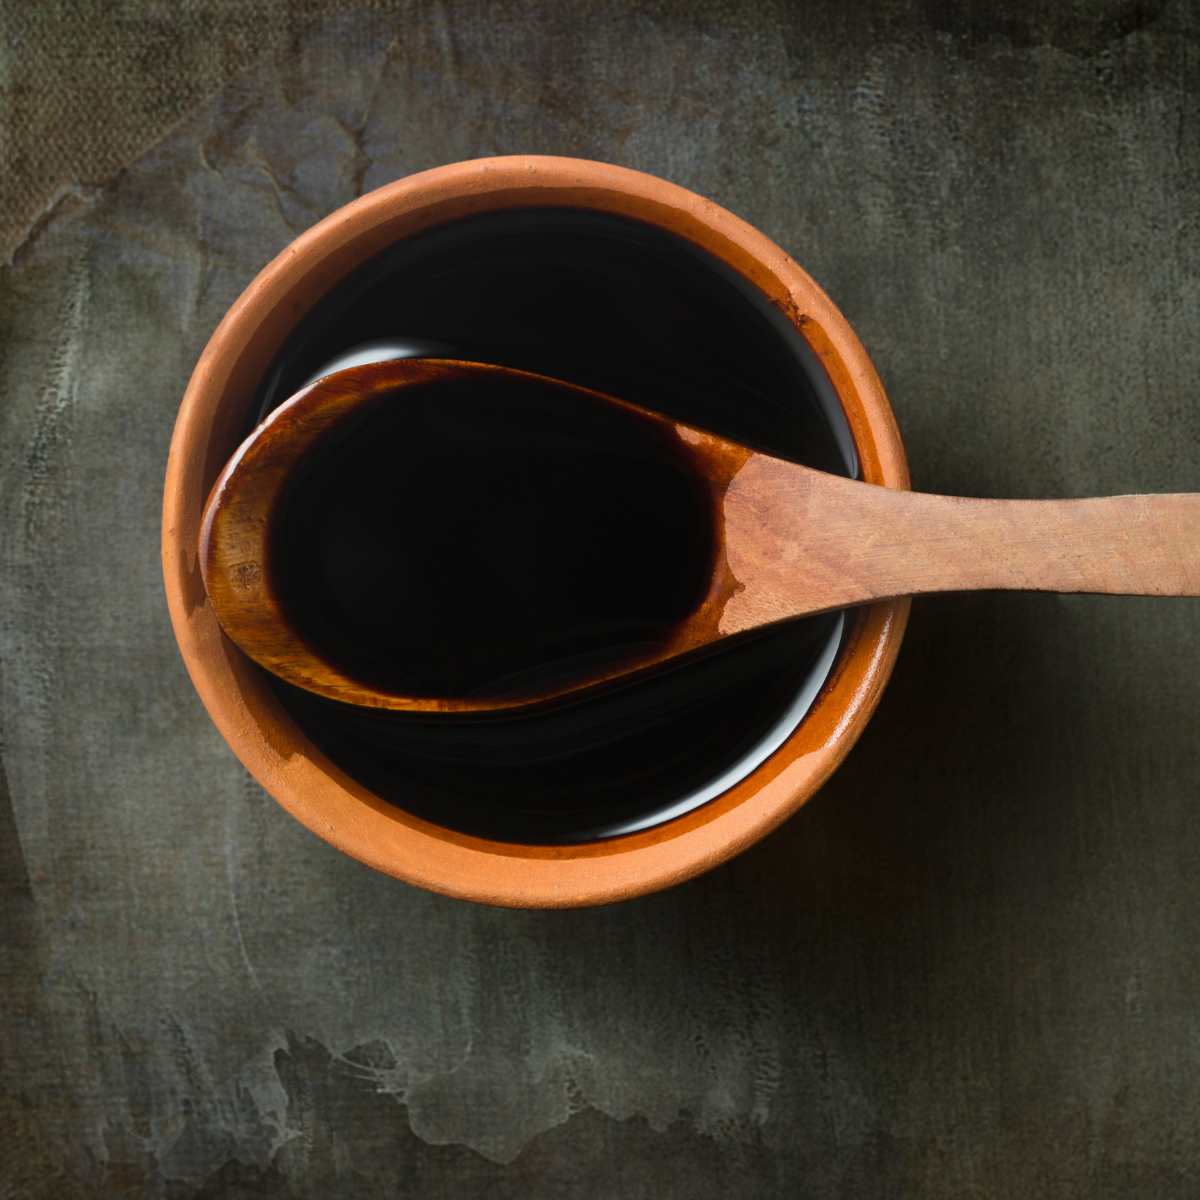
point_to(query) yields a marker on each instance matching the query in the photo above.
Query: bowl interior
(628, 308)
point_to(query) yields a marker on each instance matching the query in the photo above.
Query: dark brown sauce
(615, 305)
(491, 538)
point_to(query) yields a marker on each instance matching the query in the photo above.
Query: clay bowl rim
(247, 711)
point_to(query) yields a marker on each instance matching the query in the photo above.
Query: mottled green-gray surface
(971, 967)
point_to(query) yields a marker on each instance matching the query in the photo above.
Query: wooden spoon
(791, 541)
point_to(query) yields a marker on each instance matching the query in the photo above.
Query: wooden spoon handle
(835, 542)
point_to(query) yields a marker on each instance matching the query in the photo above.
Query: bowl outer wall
(249, 714)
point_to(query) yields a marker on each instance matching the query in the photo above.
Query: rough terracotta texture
(969, 967)
(334, 803)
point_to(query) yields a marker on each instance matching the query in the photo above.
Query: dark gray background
(970, 967)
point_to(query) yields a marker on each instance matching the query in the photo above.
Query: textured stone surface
(970, 967)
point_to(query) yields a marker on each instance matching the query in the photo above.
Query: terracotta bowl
(214, 417)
